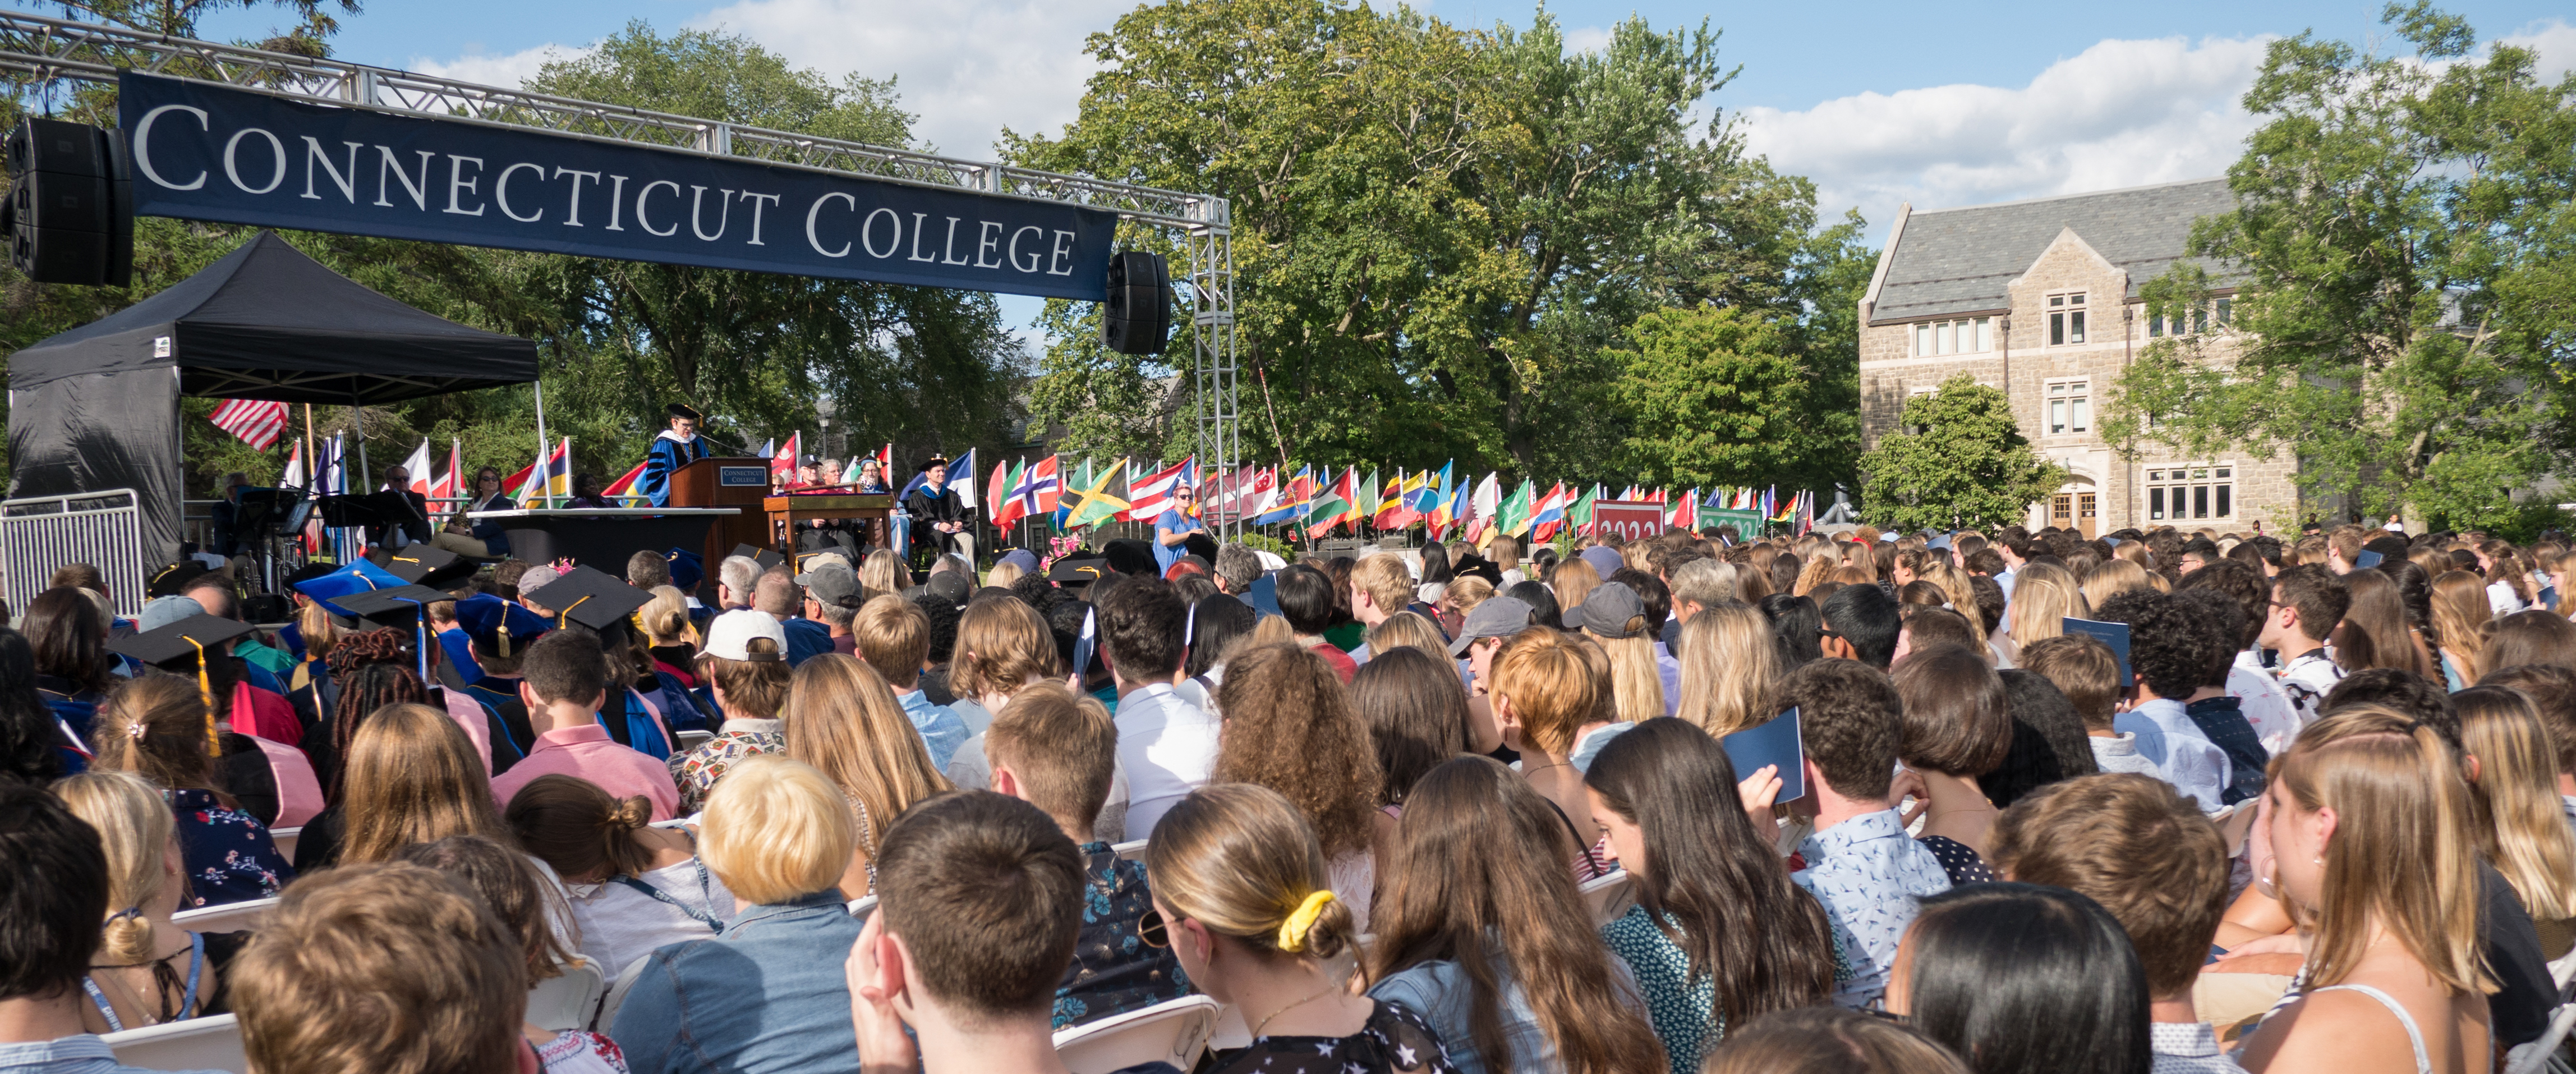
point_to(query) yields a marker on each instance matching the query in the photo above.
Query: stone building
(2040, 298)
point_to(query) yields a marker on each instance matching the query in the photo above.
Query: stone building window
(2066, 319)
(2191, 492)
(2198, 320)
(1966, 335)
(2070, 407)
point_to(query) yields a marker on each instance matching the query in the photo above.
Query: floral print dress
(230, 857)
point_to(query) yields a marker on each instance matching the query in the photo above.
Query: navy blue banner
(212, 153)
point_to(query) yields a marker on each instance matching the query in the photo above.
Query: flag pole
(543, 476)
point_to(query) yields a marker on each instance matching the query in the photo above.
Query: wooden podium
(722, 482)
(873, 511)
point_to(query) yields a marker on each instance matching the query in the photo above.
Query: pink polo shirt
(586, 752)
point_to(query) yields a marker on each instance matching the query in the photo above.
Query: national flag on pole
(1514, 517)
(417, 467)
(1331, 504)
(258, 422)
(447, 486)
(551, 476)
(961, 477)
(1549, 515)
(782, 466)
(624, 488)
(1258, 496)
(1044, 486)
(1073, 479)
(997, 492)
(1487, 500)
(1149, 495)
(1371, 493)
(885, 465)
(294, 478)
(1395, 510)
(1014, 503)
(770, 449)
(1433, 504)
(1288, 502)
(1578, 515)
(1685, 512)
(1090, 503)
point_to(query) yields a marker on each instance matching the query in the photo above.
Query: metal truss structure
(36, 50)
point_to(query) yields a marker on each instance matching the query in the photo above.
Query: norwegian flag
(257, 422)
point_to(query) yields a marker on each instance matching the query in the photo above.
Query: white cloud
(511, 70)
(967, 68)
(2122, 113)
(1586, 39)
(2555, 41)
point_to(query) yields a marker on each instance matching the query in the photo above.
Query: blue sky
(1881, 103)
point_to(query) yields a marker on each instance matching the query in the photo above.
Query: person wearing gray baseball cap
(832, 597)
(1488, 625)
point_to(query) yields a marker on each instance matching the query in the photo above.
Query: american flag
(256, 422)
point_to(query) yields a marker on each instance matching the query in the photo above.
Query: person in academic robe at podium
(479, 540)
(406, 512)
(936, 506)
(678, 446)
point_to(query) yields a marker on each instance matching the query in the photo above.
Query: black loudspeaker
(1137, 318)
(70, 213)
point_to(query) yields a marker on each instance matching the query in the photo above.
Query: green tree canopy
(1715, 395)
(1441, 234)
(2406, 262)
(1961, 464)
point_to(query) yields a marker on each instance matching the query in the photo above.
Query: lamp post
(824, 409)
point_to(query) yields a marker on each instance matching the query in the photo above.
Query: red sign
(1632, 521)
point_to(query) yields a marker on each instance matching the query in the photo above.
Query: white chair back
(1610, 896)
(1174, 1031)
(569, 1001)
(2563, 970)
(212, 1043)
(2234, 822)
(285, 840)
(1134, 851)
(230, 917)
(691, 740)
(862, 906)
(2533, 1057)
(616, 996)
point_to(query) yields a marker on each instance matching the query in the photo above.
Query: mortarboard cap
(171, 579)
(766, 557)
(436, 568)
(591, 597)
(308, 572)
(499, 627)
(400, 606)
(358, 577)
(170, 644)
(1078, 571)
(684, 410)
(687, 568)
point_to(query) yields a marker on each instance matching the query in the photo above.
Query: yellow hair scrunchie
(1292, 933)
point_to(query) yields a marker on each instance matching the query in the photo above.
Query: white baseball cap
(730, 635)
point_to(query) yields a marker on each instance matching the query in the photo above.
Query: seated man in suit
(406, 513)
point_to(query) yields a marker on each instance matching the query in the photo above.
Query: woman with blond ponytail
(2513, 783)
(2375, 858)
(155, 727)
(633, 887)
(147, 971)
(1242, 897)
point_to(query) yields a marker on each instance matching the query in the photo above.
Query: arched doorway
(2075, 506)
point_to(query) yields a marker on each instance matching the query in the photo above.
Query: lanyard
(700, 916)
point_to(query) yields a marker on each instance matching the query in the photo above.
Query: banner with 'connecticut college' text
(204, 152)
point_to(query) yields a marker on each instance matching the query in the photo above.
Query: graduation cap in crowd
(308, 572)
(436, 568)
(593, 598)
(687, 568)
(1078, 571)
(358, 577)
(172, 579)
(499, 628)
(766, 557)
(182, 647)
(404, 607)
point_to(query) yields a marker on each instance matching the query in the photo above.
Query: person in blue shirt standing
(1174, 526)
(678, 446)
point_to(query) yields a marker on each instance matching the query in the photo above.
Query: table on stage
(873, 511)
(602, 537)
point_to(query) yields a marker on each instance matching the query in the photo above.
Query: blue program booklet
(2115, 635)
(2366, 560)
(1775, 743)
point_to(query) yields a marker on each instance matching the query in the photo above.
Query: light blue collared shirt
(1869, 875)
(942, 730)
(2183, 756)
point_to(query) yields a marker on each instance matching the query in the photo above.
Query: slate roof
(1951, 261)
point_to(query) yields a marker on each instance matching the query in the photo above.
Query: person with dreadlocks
(374, 669)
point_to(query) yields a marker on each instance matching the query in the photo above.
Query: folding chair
(230, 917)
(212, 1043)
(1134, 851)
(1610, 896)
(691, 740)
(862, 906)
(1174, 1031)
(285, 840)
(616, 996)
(569, 1001)
(2542, 1054)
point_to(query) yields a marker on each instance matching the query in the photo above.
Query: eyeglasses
(1151, 929)
(1827, 632)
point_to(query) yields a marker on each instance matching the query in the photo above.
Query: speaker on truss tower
(69, 217)
(1137, 318)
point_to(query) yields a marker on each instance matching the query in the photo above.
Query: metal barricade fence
(41, 533)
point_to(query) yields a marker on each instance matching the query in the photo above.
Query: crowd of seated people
(2154, 802)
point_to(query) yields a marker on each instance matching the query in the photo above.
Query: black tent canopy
(97, 407)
